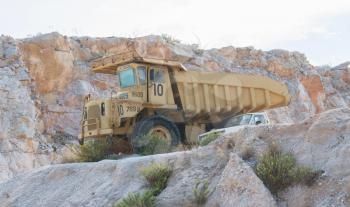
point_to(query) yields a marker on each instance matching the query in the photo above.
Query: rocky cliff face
(44, 79)
(336, 82)
(22, 146)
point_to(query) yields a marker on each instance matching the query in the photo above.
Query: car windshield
(239, 120)
(127, 78)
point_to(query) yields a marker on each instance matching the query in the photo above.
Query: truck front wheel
(158, 126)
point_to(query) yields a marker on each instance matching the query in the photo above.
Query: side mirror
(87, 97)
(258, 122)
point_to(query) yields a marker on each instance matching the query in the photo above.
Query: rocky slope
(322, 142)
(22, 146)
(44, 78)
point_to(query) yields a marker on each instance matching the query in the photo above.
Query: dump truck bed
(218, 92)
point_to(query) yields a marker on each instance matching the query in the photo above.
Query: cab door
(141, 91)
(157, 85)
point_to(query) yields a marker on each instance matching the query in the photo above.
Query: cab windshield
(239, 120)
(127, 78)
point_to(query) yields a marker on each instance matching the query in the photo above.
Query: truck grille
(92, 116)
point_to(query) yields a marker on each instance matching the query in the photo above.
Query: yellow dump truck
(163, 97)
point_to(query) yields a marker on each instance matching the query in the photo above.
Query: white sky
(318, 28)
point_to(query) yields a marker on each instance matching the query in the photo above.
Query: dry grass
(297, 196)
(247, 152)
(170, 39)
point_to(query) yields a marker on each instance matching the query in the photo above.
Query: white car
(237, 122)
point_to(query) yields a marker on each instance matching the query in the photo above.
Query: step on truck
(163, 97)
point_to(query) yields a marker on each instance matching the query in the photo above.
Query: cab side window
(156, 75)
(259, 119)
(127, 78)
(141, 71)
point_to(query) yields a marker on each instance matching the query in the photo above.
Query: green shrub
(93, 151)
(157, 176)
(279, 171)
(201, 192)
(206, 140)
(145, 199)
(151, 144)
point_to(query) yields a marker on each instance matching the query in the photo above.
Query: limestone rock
(21, 147)
(105, 182)
(322, 143)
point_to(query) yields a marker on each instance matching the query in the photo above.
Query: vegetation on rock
(157, 176)
(206, 140)
(170, 39)
(247, 153)
(114, 156)
(93, 151)
(280, 170)
(201, 192)
(146, 199)
(151, 144)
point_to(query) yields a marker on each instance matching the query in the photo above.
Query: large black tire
(145, 126)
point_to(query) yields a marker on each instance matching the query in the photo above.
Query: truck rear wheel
(158, 125)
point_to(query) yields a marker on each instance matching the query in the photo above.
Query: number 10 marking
(158, 89)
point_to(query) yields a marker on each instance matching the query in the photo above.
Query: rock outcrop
(105, 182)
(336, 83)
(322, 142)
(22, 146)
(44, 79)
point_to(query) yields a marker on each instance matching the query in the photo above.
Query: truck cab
(142, 84)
